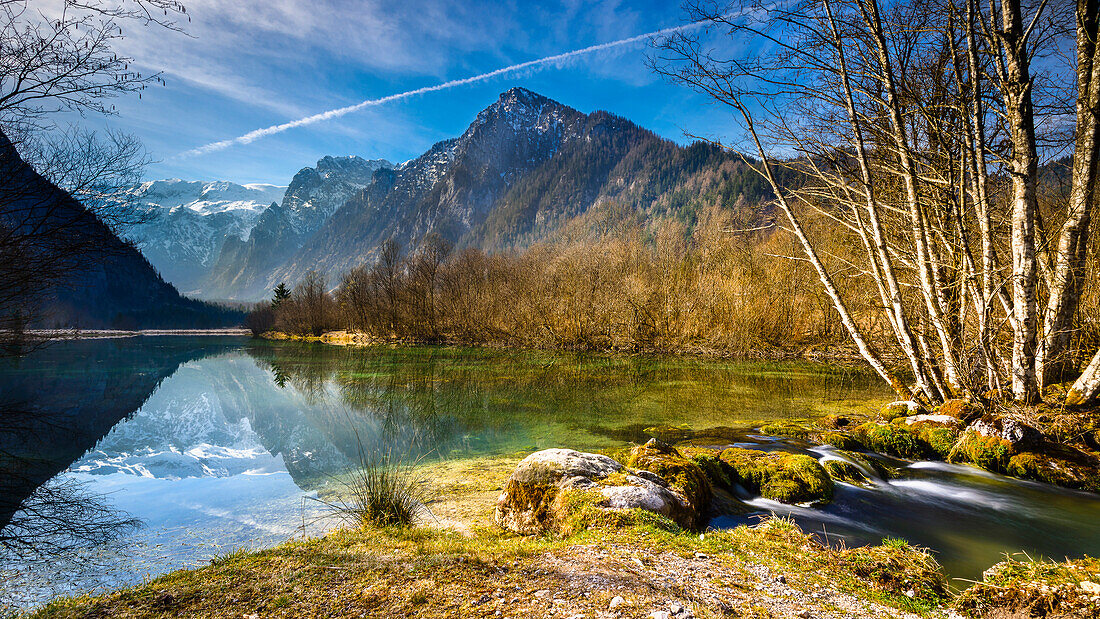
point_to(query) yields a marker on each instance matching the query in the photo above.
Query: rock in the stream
(990, 442)
(681, 473)
(893, 439)
(842, 470)
(937, 434)
(537, 497)
(783, 477)
(901, 408)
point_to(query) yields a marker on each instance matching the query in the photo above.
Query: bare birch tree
(913, 126)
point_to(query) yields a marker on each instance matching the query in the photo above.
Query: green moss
(988, 452)
(845, 472)
(870, 464)
(936, 437)
(536, 499)
(786, 428)
(712, 466)
(580, 510)
(892, 440)
(899, 569)
(894, 410)
(840, 440)
(685, 475)
(1077, 473)
(1027, 588)
(784, 477)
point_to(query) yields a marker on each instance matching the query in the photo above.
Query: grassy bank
(458, 564)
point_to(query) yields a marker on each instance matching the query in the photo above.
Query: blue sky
(244, 65)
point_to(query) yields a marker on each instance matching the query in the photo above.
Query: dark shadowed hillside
(63, 267)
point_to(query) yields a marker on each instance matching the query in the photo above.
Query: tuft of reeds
(385, 489)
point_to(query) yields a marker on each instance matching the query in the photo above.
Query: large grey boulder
(534, 499)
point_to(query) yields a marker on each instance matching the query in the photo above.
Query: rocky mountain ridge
(310, 199)
(527, 169)
(188, 221)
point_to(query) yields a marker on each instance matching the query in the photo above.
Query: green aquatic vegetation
(937, 437)
(1074, 471)
(788, 429)
(783, 477)
(840, 440)
(869, 463)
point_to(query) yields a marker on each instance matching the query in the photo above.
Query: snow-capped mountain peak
(190, 220)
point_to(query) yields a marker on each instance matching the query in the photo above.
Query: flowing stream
(164, 452)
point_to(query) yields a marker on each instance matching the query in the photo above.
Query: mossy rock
(840, 440)
(684, 475)
(1067, 468)
(786, 428)
(899, 569)
(870, 464)
(718, 472)
(901, 408)
(938, 438)
(991, 453)
(784, 477)
(556, 490)
(579, 510)
(892, 440)
(846, 472)
(960, 409)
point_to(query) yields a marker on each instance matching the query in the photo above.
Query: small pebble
(616, 602)
(659, 614)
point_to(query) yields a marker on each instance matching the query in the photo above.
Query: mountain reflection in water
(216, 443)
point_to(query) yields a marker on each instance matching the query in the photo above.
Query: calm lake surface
(218, 443)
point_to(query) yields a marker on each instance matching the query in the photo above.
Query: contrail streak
(252, 136)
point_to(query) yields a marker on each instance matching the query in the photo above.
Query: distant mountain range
(189, 222)
(245, 266)
(528, 169)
